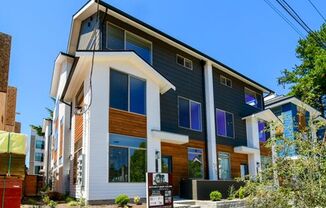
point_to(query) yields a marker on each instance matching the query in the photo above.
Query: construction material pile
(12, 154)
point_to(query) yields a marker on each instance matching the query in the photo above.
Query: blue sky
(246, 35)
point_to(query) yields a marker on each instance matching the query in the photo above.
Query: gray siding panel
(188, 83)
(232, 100)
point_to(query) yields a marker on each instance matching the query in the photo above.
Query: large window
(189, 114)
(39, 156)
(127, 92)
(224, 123)
(252, 98)
(195, 163)
(127, 159)
(264, 133)
(119, 39)
(39, 144)
(224, 167)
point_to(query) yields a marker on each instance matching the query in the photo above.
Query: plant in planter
(122, 200)
(137, 200)
(215, 196)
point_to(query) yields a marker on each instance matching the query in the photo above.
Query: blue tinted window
(195, 116)
(118, 90)
(118, 164)
(141, 47)
(137, 95)
(115, 37)
(184, 117)
(224, 123)
(126, 141)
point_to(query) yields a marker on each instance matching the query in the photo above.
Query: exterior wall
(3, 97)
(87, 35)
(235, 158)
(179, 154)
(5, 42)
(264, 150)
(233, 101)
(164, 61)
(125, 123)
(33, 150)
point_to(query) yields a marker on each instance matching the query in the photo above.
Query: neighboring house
(36, 153)
(153, 104)
(295, 116)
(47, 130)
(8, 94)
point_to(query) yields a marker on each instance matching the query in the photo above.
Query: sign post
(159, 190)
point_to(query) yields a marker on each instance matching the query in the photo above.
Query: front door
(166, 164)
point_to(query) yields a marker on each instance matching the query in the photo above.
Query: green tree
(37, 129)
(292, 182)
(307, 80)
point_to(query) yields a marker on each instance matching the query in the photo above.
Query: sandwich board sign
(159, 190)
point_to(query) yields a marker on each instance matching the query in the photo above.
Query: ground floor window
(195, 163)
(127, 159)
(224, 166)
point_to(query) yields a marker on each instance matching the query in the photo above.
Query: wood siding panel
(126, 123)
(79, 123)
(236, 159)
(264, 150)
(179, 155)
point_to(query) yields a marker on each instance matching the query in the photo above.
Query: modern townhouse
(132, 99)
(295, 116)
(47, 131)
(36, 153)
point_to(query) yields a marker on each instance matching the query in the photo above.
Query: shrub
(215, 196)
(55, 196)
(122, 200)
(231, 193)
(46, 199)
(31, 201)
(137, 200)
(52, 204)
(73, 203)
(69, 199)
(241, 193)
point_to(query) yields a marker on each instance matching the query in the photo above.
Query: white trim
(169, 137)
(266, 115)
(246, 150)
(184, 62)
(90, 8)
(225, 124)
(225, 78)
(255, 93)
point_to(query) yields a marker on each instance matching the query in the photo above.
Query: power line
(284, 18)
(299, 20)
(317, 10)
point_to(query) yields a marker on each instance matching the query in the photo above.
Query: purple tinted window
(137, 96)
(195, 116)
(261, 128)
(220, 121)
(250, 99)
(229, 124)
(184, 117)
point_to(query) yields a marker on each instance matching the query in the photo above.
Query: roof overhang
(61, 58)
(246, 150)
(296, 102)
(266, 115)
(91, 7)
(169, 137)
(82, 68)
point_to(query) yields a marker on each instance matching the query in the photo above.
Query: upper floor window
(264, 134)
(184, 62)
(39, 144)
(252, 98)
(195, 163)
(225, 81)
(120, 39)
(189, 114)
(39, 156)
(127, 92)
(224, 123)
